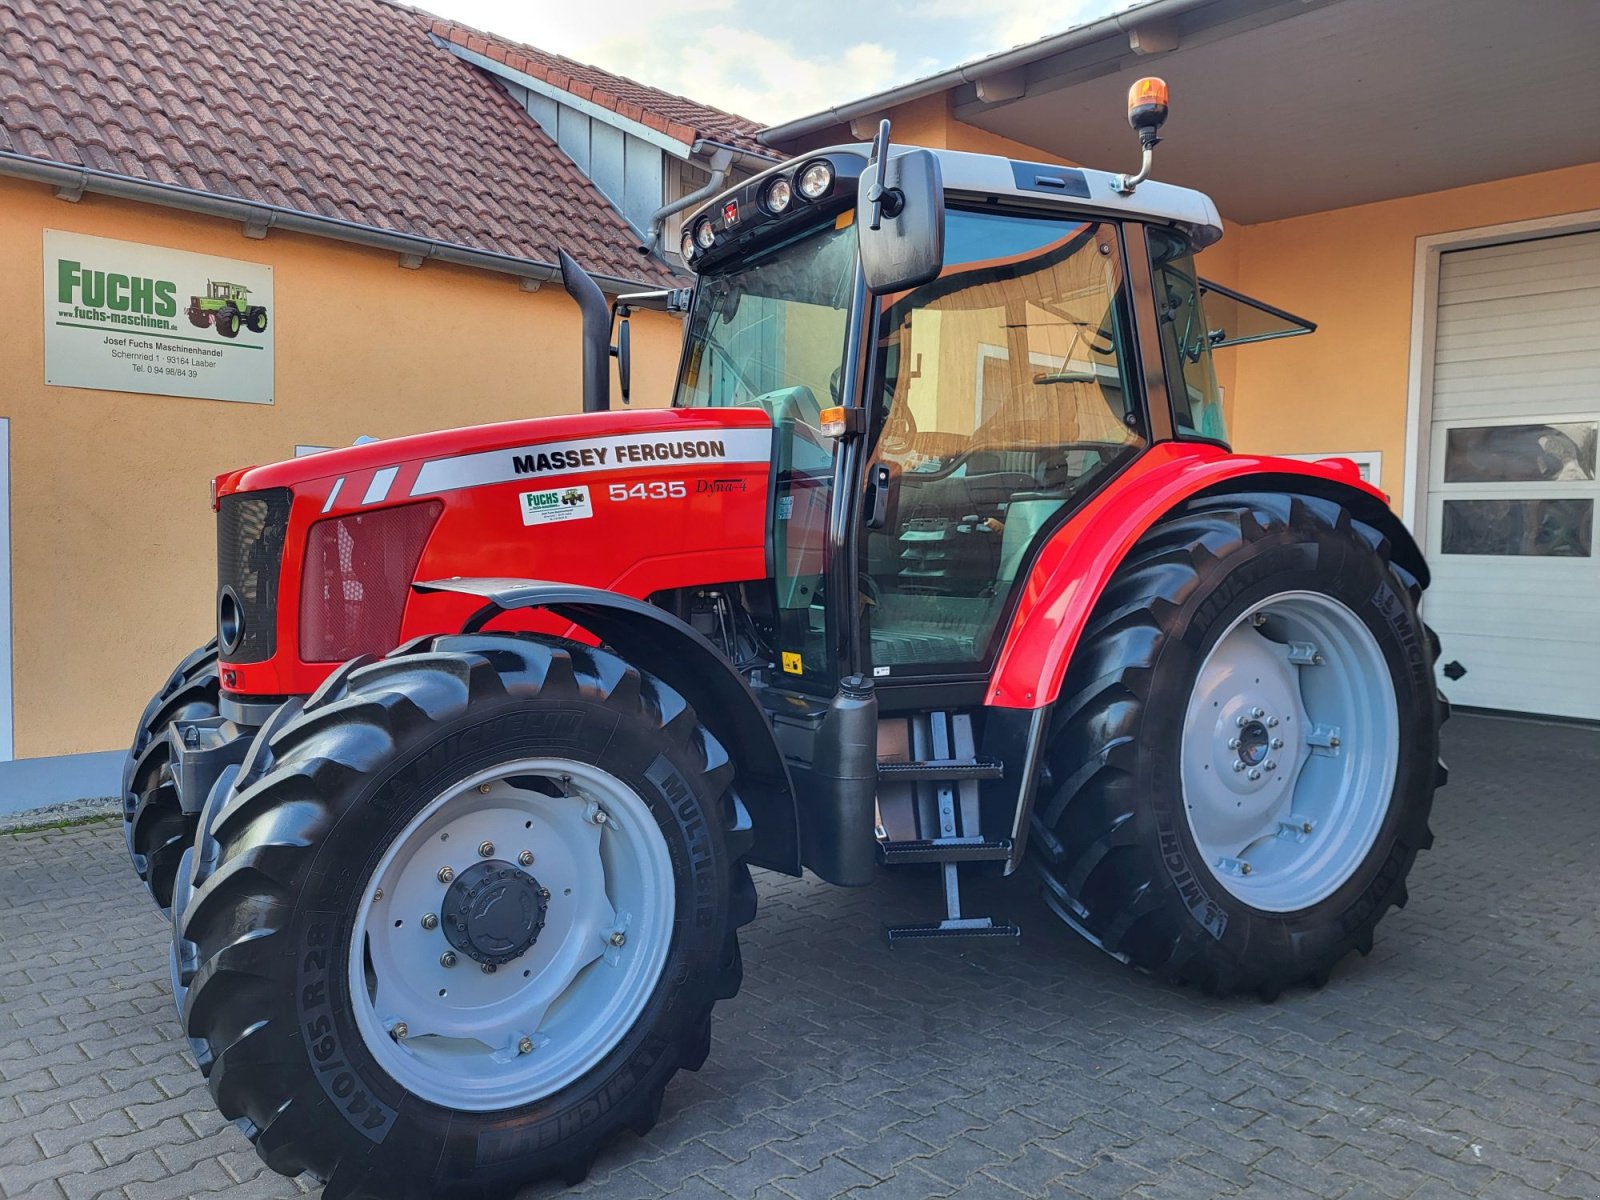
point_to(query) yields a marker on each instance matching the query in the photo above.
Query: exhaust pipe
(596, 333)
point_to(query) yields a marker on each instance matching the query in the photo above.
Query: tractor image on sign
(226, 307)
(939, 557)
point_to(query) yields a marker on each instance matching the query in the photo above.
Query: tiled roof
(339, 108)
(679, 118)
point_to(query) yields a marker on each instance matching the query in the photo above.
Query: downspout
(722, 157)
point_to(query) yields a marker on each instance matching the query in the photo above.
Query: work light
(778, 196)
(687, 246)
(815, 180)
(704, 234)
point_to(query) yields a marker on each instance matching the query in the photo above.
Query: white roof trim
(561, 96)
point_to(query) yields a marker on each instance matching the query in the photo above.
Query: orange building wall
(113, 542)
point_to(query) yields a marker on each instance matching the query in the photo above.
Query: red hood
(352, 460)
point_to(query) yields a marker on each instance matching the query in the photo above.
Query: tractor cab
(935, 426)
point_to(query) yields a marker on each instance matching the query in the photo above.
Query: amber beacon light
(1147, 111)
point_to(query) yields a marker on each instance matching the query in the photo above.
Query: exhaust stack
(596, 333)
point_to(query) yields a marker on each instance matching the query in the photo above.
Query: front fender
(658, 642)
(1077, 563)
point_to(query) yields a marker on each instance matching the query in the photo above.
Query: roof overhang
(1283, 107)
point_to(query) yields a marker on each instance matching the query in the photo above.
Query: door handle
(879, 483)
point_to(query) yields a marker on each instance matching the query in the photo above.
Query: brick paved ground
(1461, 1059)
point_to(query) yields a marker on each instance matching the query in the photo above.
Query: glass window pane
(1002, 400)
(1520, 453)
(1186, 337)
(1542, 528)
(1235, 319)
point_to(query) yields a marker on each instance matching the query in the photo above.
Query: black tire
(1109, 836)
(155, 828)
(228, 321)
(255, 320)
(316, 802)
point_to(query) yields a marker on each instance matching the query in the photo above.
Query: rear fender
(658, 642)
(1077, 563)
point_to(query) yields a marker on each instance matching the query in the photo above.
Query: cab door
(1006, 393)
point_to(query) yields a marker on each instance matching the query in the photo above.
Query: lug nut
(1238, 765)
(526, 858)
(483, 789)
(399, 1031)
(1233, 743)
(446, 874)
(1258, 713)
(1272, 722)
(525, 1046)
(489, 968)
(1245, 868)
(1277, 743)
(544, 893)
(619, 939)
(1255, 773)
(447, 959)
(1242, 721)
(1305, 826)
(430, 921)
(485, 849)
(1270, 765)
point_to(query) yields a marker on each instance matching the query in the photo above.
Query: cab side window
(1186, 338)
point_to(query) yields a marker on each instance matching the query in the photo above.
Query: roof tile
(341, 108)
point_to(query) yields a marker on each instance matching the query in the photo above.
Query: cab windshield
(768, 332)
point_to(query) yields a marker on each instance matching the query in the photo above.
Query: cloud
(778, 61)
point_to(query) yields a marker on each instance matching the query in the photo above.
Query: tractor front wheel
(255, 320)
(228, 321)
(1246, 747)
(154, 826)
(464, 916)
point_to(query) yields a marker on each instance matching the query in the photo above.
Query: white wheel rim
(479, 1041)
(1290, 748)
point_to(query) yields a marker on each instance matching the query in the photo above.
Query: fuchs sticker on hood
(556, 504)
(618, 452)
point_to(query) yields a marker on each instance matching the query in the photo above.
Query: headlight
(357, 579)
(815, 180)
(704, 234)
(687, 248)
(778, 195)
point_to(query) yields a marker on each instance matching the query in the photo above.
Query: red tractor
(939, 556)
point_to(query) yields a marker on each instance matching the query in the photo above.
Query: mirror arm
(886, 201)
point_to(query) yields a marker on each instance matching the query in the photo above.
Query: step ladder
(937, 793)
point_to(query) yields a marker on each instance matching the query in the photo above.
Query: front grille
(250, 533)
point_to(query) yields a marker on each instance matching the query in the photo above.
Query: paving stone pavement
(1462, 1058)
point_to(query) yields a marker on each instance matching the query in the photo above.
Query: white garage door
(1512, 490)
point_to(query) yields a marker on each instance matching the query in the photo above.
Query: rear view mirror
(900, 218)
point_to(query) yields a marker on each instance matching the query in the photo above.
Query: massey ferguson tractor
(939, 556)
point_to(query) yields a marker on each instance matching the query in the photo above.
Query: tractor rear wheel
(228, 321)
(154, 826)
(1245, 750)
(465, 916)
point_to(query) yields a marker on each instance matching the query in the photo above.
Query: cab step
(954, 925)
(945, 850)
(939, 770)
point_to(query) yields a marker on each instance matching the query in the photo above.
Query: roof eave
(72, 181)
(1117, 24)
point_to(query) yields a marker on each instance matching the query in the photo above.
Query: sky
(773, 61)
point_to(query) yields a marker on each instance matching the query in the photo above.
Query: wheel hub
(493, 912)
(1253, 743)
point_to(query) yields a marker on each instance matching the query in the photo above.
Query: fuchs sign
(125, 317)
